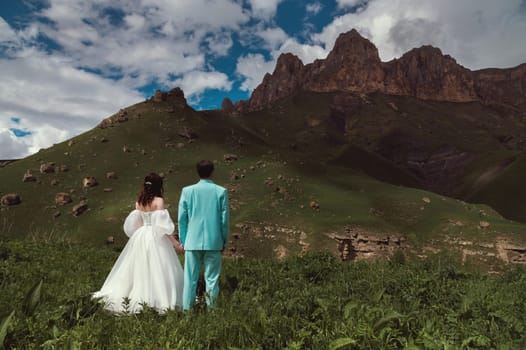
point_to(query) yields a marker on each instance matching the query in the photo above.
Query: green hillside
(307, 171)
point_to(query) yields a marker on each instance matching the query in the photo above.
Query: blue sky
(67, 64)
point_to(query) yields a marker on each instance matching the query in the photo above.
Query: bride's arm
(176, 244)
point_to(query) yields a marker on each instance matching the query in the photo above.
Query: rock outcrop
(175, 97)
(355, 66)
(10, 199)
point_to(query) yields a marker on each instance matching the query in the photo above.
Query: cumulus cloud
(167, 39)
(273, 37)
(478, 33)
(53, 101)
(252, 68)
(11, 147)
(197, 82)
(264, 8)
(6, 33)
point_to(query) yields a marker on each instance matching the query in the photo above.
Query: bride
(148, 270)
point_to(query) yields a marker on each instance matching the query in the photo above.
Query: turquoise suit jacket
(203, 216)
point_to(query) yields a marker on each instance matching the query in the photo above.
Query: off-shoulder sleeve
(132, 223)
(162, 223)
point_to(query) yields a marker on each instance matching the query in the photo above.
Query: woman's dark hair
(152, 187)
(205, 168)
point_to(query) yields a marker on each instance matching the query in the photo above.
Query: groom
(203, 229)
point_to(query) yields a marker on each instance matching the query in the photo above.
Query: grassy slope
(306, 302)
(322, 167)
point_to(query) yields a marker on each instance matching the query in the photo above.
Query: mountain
(348, 169)
(354, 65)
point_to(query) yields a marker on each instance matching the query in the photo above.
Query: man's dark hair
(205, 168)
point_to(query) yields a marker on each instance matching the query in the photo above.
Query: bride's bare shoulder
(158, 203)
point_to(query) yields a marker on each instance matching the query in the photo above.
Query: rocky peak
(288, 65)
(352, 46)
(427, 73)
(287, 77)
(174, 97)
(354, 65)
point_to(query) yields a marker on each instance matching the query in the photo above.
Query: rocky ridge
(355, 66)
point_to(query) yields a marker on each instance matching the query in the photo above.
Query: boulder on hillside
(28, 177)
(46, 168)
(89, 181)
(54, 182)
(10, 199)
(188, 134)
(230, 157)
(314, 205)
(79, 209)
(63, 198)
(63, 168)
(111, 175)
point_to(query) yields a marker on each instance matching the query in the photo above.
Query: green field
(309, 302)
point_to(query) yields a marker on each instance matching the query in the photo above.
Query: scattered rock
(426, 199)
(234, 177)
(103, 140)
(47, 168)
(126, 149)
(54, 182)
(188, 134)
(482, 213)
(63, 198)
(89, 181)
(314, 205)
(230, 157)
(110, 240)
(484, 224)
(393, 106)
(180, 145)
(71, 143)
(56, 214)
(28, 177)
(108, 189)
(63, 168)
(79, 209)
(10, 199)
(111, 175)
(268, 181)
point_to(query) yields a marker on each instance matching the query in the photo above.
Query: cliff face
(355, 66)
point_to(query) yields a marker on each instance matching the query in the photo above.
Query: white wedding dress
(148, 270)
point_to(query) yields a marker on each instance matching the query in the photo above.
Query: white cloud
(197, 82)
(6, 33)
(11, 147)
(54, 101)
(264, 8)
(252, 68)
(143, 40)
(273, 37)
(313, 8)
(350, 3)
(478, 33)
(307, 53)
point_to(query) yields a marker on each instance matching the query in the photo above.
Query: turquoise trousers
(192, 266)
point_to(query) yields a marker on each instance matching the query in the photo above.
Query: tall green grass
(309, 302)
